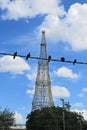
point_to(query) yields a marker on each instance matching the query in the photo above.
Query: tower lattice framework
(43, 95)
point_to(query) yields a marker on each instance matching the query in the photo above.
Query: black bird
(27, 56)
(74, 62)
(14, 55)
(62, 59)
(49, 58)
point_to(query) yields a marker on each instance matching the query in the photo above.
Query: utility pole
(63, 113)
(80, 120)
(65, 106)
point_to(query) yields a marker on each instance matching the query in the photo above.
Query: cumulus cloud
(84, 90)
(77, 22)
(31, 76)
(31, 92)
(66, 72)
(69, 27)
(17, 66)
(81, 95)
(58, 91)
(18, 118)
(72, 28)
(78, 104)
(82, 112)
(17, 9)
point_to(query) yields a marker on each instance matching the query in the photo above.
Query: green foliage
(51, 118)
(84, 126)
(6, 119)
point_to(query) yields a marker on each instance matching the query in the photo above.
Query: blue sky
(65, 24)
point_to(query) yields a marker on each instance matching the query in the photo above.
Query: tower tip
(43, 31)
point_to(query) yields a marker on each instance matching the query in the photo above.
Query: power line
(62, 59)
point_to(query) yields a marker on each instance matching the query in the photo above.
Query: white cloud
(31, 92)
(81, 95)
(77, 26)
(31, 76)
(29, 8)
(84, 90)
(54, 30)
(66, 72)
(58, 91)
(78, 104)
(72, 28)
(18, 118)
(85, 114)
(15, 9)
(14, 66)
(82, 112)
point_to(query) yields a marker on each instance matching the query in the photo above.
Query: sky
(21, 25)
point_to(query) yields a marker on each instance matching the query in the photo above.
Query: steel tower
(43, 95)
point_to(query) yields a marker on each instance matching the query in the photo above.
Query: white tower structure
(43, 95)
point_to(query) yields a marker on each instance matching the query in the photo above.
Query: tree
(51, 118)
(6, 119)
(42, 120)
(73, 120)
(84, 125)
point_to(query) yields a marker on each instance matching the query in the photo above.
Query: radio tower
(42, 96)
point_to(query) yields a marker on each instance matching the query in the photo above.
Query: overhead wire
(49, 59)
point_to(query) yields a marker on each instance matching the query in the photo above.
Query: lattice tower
(43, 95)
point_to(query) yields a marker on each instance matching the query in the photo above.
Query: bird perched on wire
(49, 58)
(27, 56)
(14, 55)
